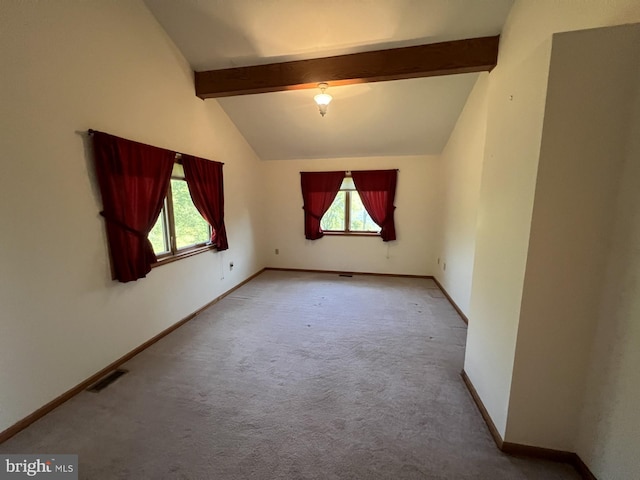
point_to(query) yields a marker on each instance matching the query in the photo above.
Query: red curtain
(319, 189)
(133, 180)
(204, 178)
(377, 189)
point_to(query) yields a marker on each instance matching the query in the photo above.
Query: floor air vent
(345, 275)
(104, 382)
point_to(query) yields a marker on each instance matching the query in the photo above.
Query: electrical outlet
(277, 251)
(444, 265)
(438, 260)
(230, 265)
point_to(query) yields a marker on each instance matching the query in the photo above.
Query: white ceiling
(403, 117)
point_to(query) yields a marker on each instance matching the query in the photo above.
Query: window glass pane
(334, 218)
(158, 236)
(359, 219)
(347, 184)
(178, 171)
(191, 228)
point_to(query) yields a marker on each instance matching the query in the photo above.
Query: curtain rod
(178, 155)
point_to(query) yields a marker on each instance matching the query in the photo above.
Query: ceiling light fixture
(323, 99)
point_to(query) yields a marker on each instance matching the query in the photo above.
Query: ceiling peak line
(444, 58)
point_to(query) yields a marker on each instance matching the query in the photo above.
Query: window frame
(167, 215)
(347, 232)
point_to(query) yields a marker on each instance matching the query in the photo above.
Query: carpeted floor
(293, 376)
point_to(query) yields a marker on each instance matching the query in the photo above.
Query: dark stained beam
(446, 58)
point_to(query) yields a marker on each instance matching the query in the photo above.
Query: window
(149, 204)
(347, 214)
(180, 229)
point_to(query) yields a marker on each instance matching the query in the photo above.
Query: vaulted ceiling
(400, 117)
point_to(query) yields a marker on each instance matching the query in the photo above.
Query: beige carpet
(292, 376)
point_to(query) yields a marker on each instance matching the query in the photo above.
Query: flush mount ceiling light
(323, 99)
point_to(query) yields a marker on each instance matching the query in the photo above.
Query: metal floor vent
(345, 275)
(104, 382)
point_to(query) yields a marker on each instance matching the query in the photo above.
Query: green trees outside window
(180, 226)
(347, 213)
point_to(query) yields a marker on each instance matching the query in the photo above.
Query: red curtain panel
(377, 189)
(204, 178)
(133, 180)
(319, 189)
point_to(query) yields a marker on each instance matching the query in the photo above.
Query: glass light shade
(323, 99)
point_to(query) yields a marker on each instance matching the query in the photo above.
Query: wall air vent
(107, 380)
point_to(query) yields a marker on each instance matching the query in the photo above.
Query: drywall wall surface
(415, 217)
(461, 170)
(516, 103)
(610, 423)
(592, 76)
(516, 93)
(69, 66)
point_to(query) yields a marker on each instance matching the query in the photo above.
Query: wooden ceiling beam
(446, 58)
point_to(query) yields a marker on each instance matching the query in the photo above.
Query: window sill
(182, 254)
(351, 234)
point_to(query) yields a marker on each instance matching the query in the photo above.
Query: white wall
(586, 125)
(68, 66)
(415, 216)
(516, 103)
(461, 171)
(610, 427)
